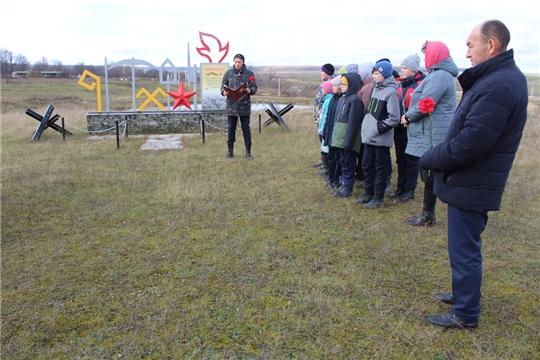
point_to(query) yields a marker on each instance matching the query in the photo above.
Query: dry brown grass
(120, 253)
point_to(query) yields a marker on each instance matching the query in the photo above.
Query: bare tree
(22, 63)
(270, 73)
(79, 68)
(57, 65)
(6, 61)
(41, 65)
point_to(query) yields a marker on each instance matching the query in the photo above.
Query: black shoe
(405, 196)
(397, 193)
(344, 191)
(445, 298)
(364, 199)
(230, 153)
(449, 320)
(427, 219)
(375, 203)
(323, 171)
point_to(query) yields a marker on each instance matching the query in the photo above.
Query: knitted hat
(412, 62)
(384, 67)
(327, 87)
(336, 80)
(240, 56)
(342, 70)
(328, 69)
(344, 80)
(352, 68)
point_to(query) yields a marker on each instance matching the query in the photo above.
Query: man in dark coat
(240, 108)
(473, 163)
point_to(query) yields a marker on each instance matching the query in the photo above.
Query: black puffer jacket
(349, 116)
(473, 163)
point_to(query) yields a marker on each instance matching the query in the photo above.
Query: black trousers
(244, 123)
(375, 164)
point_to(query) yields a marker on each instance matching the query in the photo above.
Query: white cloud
(269, 33)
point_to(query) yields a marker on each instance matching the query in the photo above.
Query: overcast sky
(267, 32)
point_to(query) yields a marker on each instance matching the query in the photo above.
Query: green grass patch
(183, 254)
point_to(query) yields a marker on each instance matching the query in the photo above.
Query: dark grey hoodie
(382, 114)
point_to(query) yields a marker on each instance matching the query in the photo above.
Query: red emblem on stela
(212, 47)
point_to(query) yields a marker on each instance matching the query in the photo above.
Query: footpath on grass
(153, 142)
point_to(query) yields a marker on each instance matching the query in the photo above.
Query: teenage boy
(381, 117)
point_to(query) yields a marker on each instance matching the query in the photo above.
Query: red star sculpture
(181, 96)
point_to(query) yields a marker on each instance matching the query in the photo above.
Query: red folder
(236, 94)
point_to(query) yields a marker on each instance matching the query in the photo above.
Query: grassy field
(182, 254)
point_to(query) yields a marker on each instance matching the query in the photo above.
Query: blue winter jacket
(473, 163)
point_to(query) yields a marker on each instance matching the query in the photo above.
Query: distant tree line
(10, 63)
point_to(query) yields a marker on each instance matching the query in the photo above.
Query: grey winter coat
(382, 114)
(425, 131)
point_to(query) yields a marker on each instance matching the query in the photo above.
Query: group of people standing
(463, 152)
(388, 114)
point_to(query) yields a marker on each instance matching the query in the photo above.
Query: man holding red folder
(238, 85)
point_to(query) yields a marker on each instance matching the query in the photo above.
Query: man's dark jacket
(473, 163)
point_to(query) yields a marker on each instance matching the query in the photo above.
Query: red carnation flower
(426, 105)
(252, 78)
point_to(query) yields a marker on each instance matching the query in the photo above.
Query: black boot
(344, 191)
(400, 189)
(248, 152)
(364, 199)
(374, 203)
(427, 217)
(230, 153)
(405, 196)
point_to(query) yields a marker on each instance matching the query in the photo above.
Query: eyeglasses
(341, 84)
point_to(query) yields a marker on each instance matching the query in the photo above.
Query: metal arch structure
(161, 71)
(133, 63)
(168, 81)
